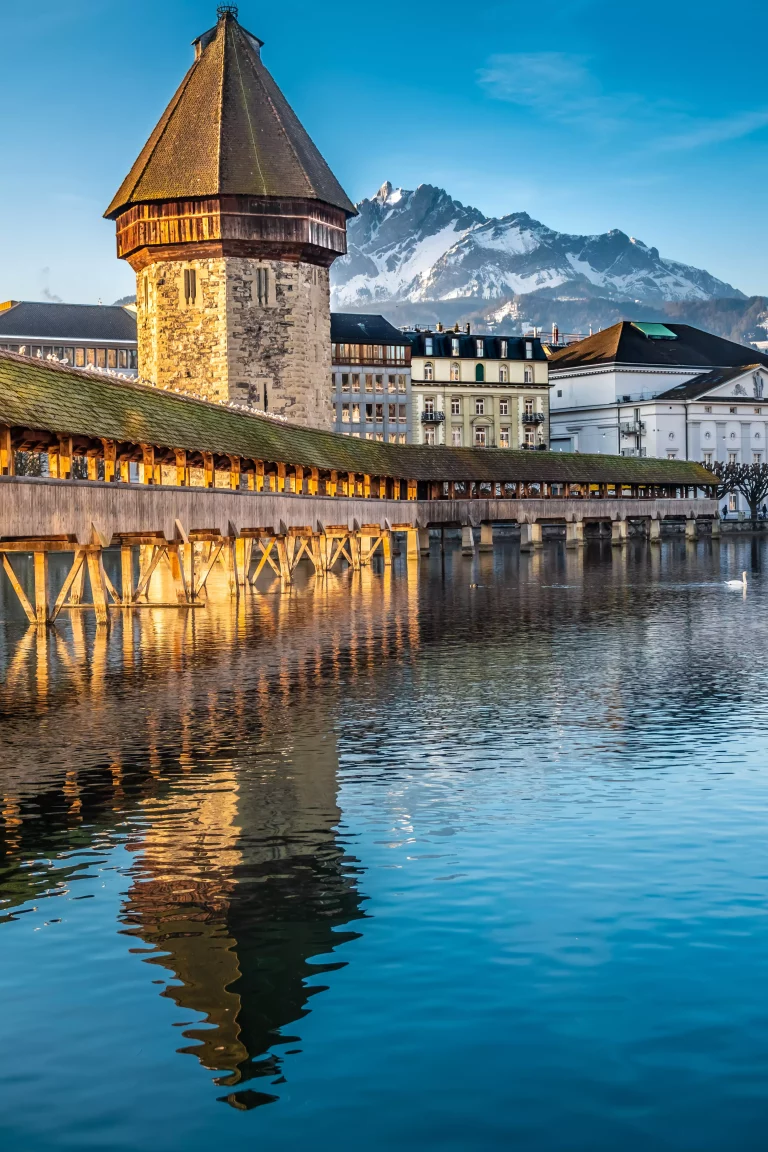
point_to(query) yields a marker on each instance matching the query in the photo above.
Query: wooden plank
(41, 588)
(98, 588)
(6, 451)
(28, 609)
(76, 572)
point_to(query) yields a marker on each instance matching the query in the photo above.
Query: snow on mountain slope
(424, 246)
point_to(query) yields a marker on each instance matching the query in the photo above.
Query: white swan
(737, 583)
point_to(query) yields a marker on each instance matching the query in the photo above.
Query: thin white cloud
(560, 87)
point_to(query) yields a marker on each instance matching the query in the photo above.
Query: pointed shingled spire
(229, 131)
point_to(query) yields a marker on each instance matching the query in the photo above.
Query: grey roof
(33, 320)
(704, 383)
(623, 343)
(360, 328)
(229, 131)
(442, 345)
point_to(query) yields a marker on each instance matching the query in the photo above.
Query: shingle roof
(229, 131)
(704, 383)
(41, 321)
(442, 345)
(40, 395)
(623, 343)
(360, 328)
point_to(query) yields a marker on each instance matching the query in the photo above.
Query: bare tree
(750, 480)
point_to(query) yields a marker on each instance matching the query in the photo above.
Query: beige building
(475, 390)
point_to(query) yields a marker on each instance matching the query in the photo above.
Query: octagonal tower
(231, 219)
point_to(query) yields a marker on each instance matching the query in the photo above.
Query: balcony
(633, 451)
(632, 427)
(432, 417)
(533, 418)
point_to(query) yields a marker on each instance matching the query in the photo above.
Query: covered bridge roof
(39, 395)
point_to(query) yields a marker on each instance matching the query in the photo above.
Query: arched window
(528, 374)
(503, 374)
(455, 372)
(428, 371)
(479, 373)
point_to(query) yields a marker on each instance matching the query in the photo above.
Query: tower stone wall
(255, 331)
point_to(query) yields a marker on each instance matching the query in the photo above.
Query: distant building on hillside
(478, 390)
(664, 390)
(370, 378)
(103, 336)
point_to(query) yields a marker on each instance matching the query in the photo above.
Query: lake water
(394, 862)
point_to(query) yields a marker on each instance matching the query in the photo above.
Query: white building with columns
(664, 390)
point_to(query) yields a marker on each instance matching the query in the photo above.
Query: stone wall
(259, 331)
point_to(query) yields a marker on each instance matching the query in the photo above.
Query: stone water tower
(231, 219)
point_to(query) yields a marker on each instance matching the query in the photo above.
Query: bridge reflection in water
(203, 743)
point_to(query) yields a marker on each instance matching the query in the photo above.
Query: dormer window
(428, 346)
(529, 350)
(504, 352)
(479, 347)
(454, 346)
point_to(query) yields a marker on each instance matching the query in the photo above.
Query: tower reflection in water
(204, 742)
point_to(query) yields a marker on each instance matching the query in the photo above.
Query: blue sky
(585, 114)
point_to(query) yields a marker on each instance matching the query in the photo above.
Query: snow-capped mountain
(424, 246)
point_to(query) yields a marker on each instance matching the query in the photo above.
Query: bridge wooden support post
(574, 534)
(41, 588)
(486, 536)
(412, 544)
(654, 530)
(467, 540)
(530, 537)
(284, 560)
(364, 543)
(423, 541)
(386, 548)
(178, 574)
(98, 584)
(146, 561)
(716, 528)
(619, 532)
(691, 528)
(126, 573)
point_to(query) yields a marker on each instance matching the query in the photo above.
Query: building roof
(31, 320)
(359, 328)
(626, 343)
(229, 131)
(706, 382)
(43, 396)
(442, 346)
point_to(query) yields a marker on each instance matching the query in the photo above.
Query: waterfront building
(371, 378)
(231, 219)
(475, 390)
(82, 335)
(664, 390)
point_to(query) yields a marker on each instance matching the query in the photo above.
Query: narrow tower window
(262, 286)
(190, 285)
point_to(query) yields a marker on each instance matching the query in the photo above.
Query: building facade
(475, 390)
(664, 390)
(231, 219)
(81, 335)
(370, 378)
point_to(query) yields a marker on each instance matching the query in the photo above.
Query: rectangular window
(392, 409)
(428, 345)
(122, 357)
(101, 357)
(707, 407)
(529, 407)
(429, 406)
(429, 435)
(90, 356)
(133, 359)
(756, 457)
(481, 435)
(355, 413)
(708, 458)
(528, 350)
(528, 374)
(503, 407)
(369, 411)
(731, 457)
(393, 438)
(529, 441)
(345, 413)
(190, 285)
(758, 411)
(454, 346)
(479, 345)
(504, 438)
(262, 286)
(479, 406)
(401, 439)
(401, 386)
(379, 412)
(379, 382)
(455, 406)
(368, 382)
(733, 411)
(559, 391)
(401, 413)
(345, 381)
(391, 383)
(456, 437)
(504, 352)
(111, 358)
(355, 381)
(79, 357)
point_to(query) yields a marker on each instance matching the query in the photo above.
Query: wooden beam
(73, 585)
(6, 451)
(298, 482)
(234, 472)
(110, 460)
(366, 486)
(313, 482)
(259, 475)
(98, 585)
(41, 588)
(209, 478)
(182, 475)
(147, 466)
(281, 477)
(332, 484)
(65, 457)
(126, 573)
(125, 471)
(93, 467)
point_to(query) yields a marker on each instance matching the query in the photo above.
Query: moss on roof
(37, 394)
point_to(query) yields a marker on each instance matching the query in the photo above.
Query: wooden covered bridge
(89, 462)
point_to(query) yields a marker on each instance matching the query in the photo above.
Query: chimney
(439, 327)
(456, 326)
(467, 328)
